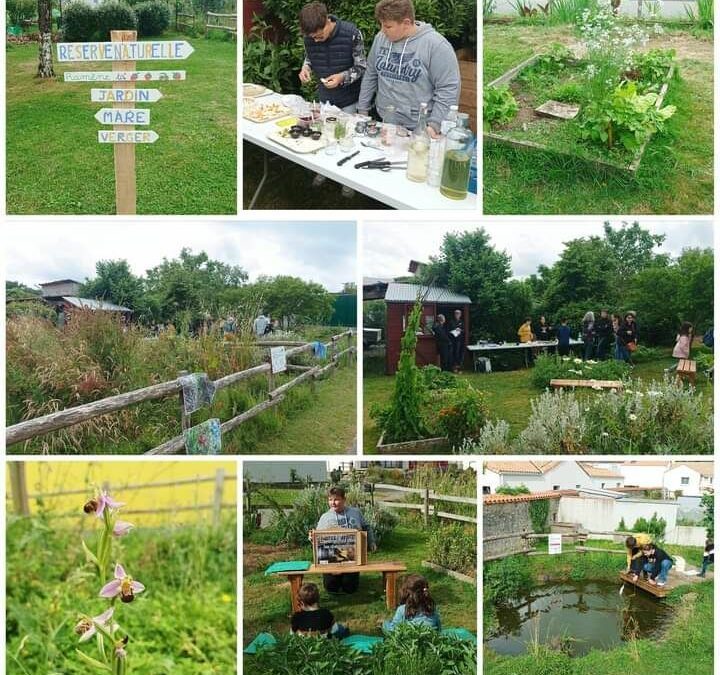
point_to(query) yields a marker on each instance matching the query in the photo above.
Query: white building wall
(643, 476)
(686, 536)
(603, 515)
(673, 480)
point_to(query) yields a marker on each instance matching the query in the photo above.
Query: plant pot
(421, 445)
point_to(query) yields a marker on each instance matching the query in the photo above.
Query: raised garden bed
(533, 131)
(452, 573)
(422, 445)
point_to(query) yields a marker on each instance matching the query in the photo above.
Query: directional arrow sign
(123, 116)
(124, 51)
(125, 95)
(127, 136)
(125, 76)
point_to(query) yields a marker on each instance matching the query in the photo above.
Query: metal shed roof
(87, 303)
(410, 292)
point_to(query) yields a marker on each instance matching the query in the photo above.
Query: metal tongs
(382, 164)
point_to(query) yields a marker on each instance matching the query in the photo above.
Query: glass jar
(456, 162)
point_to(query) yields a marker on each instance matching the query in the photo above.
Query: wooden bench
(686, 370)
(389, 570)
(613, 385)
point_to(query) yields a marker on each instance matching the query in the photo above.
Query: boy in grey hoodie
(341, 516)
(409, 63)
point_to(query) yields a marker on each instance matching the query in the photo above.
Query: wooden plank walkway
(675, 580)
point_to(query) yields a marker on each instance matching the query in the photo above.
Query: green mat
(290, 566)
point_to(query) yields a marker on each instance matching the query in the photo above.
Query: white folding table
(389, 187)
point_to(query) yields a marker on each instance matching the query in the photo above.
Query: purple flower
(121, 585)
(86, 627)
(105, 500)
(121, 528)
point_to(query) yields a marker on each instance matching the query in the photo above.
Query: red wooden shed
(400, 299)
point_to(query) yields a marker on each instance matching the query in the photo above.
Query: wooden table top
(348, 569)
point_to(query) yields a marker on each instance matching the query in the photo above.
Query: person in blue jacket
(416, 605)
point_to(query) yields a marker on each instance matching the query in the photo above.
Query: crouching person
(657, 564)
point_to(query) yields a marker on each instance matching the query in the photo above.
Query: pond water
(577, 617)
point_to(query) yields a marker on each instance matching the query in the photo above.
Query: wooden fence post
(218, 497)
(18, 485)
(426, 506)
(125, 193)
(185, 420)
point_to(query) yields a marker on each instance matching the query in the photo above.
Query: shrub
(504, 579)
(381, 520)
(435, 378)
(79, 22)
(20, 9)
(292, 527)
(494, 439)
(463, 415)
(454, 547)
(115, 15)
(153, 17)
(509, 490)
(654, 527)
(556, 425)
(549, 367)
(644, 354)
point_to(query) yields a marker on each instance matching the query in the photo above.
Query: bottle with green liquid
(456, 165)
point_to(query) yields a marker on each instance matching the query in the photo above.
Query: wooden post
(426, 506)
(18, 485)
(125, 196)
(217, 500)
(185, 420)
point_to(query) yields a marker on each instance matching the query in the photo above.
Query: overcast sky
(388, 247)
(321, 252)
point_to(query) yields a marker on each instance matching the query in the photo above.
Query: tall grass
(705, 15)
(568, 11)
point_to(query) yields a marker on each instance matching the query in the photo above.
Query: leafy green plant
(499, 106)
(539, 510)
(622, 527)
(644, 354)
(553, 59)
(625, 116)
(569, 11)
(650, 68)
(705, 15)
(454, 547)
(153, 17)
(18, 10)
(79, 22)
(569, 92)
(115, 15)
(510, 490)
(382, 521)
(708, 504)
(505, 578)
(463, 414)
(435, 378)
(402, 419)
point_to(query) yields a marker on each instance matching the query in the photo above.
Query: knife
(348, 158)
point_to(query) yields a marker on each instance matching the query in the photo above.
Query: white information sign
(125, 95)
(123, 116)
(278, 362)
(125, 76)
(69, 52)
(555, 544)
(127, 136)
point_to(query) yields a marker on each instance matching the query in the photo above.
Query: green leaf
(101, 667)
(89, 555)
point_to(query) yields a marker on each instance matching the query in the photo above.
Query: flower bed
(551, 367)
(617, 89)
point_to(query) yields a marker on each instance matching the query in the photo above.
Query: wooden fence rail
(426, 507)
(29, 429)
(226, 22)
(21, 498)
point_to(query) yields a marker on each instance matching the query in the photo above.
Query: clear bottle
(387, 133)
(419, 148)
(456, 163)
(436, 155)
(450, 120)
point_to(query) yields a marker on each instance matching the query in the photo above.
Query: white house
(540, 476)
(691, 479)
(644, 473)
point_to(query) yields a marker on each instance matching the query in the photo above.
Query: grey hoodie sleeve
(445, 75)
(368, 87)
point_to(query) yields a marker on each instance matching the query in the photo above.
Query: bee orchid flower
(123, 585)
(87, 627)
(121, 528)
(99, 503)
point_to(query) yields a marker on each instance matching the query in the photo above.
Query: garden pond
(576, 616)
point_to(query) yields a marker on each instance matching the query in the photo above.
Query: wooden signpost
(124, 51)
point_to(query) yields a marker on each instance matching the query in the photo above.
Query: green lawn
(267, 599)
(326, 427)
(56, 166)
(509, 393)
(676, 173)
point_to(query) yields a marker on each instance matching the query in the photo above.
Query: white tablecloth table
(476, 350)
(389, 187)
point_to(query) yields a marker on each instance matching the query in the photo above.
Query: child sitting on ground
(416, 605)
(313, 619)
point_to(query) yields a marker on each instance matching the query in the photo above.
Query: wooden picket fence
(427, 508)
(224, 22)
(21, 498)
(62, 419)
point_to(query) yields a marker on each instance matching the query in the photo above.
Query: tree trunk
(45, 61)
